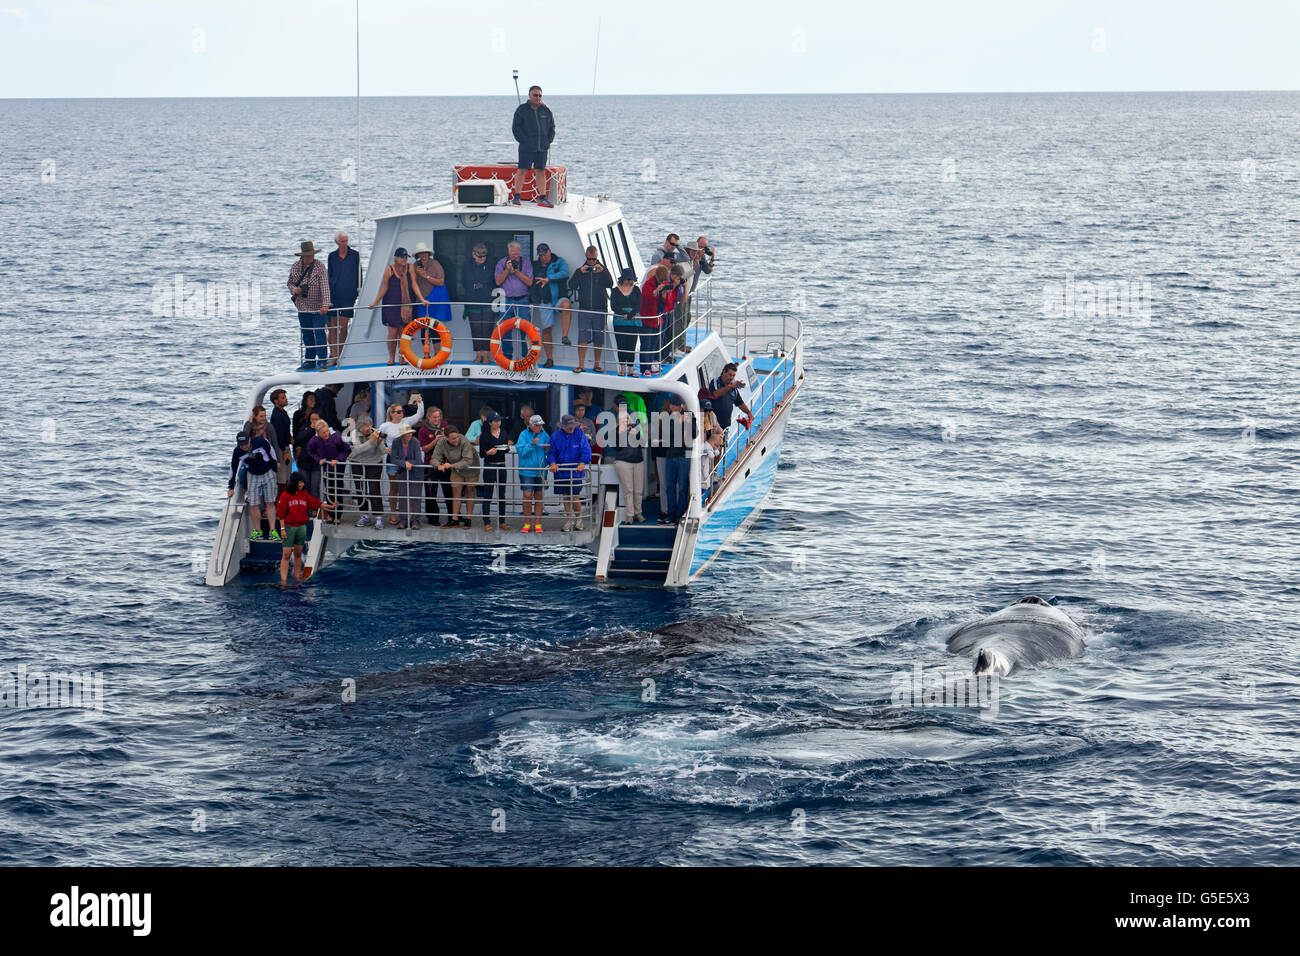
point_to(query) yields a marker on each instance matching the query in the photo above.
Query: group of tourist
(649, 314)
(292, 465)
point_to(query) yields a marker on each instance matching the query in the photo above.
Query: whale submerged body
(1030, 631)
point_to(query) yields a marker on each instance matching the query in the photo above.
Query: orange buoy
(534, 344)
(428, 361)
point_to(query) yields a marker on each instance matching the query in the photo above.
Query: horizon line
(353, 96)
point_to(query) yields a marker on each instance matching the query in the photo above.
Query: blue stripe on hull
(729, 518)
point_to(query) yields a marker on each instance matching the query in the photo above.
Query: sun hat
(422, 247)
(307, 249)
(537, 420)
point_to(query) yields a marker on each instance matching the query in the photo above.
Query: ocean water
(965, 436)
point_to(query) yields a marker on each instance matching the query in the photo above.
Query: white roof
(575, 209)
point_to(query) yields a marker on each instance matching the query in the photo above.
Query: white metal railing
(768, 391)
(655, 346)
(421, 496)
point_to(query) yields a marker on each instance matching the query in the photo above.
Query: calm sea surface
(959, 444)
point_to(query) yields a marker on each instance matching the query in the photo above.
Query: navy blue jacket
(345, 278)
(534, 128)
(477, 282)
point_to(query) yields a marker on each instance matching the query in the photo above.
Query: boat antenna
(515, 74)
(357, 171)
(595, 65)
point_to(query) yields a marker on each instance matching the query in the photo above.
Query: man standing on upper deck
(310, 290)
(344, 267)
(534, 129)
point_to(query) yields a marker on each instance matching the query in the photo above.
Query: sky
(281, 48)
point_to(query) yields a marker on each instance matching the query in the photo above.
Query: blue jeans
(313, 338)
(679, 486)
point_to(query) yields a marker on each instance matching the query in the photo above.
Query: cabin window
(712, 366)
(451, 247)
(595, 240)
(618, 255)
(622, 235)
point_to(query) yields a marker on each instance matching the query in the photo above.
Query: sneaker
(564, 340)
(466, 523)
(549, 363)
(363, 522)
(662, 519)
(514, 199)
(275, 536)
(568, 525)
(579, 526)
(379, 524)
(638, 519)
(255, 535)
(544, 202)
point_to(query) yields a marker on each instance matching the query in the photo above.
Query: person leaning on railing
(514, 274)
(432, 283)
(396, 417)
(329, 451)
(493, 444)
(476, 285)
(568, 458)
(629, 463)
(710, 452)
(310, 291)
(455, 456)
(550, 293)
(400, 294)
(427, 435)
(531, 444)
(344, 266)
(367, 460)
(307, 466)
(625, 302)
(657, 301)
(589, 287)
(409, 461)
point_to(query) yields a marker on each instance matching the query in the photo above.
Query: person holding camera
(590, 287)
(657, 302)
(514, 274)
(551, 293)
(309, 289)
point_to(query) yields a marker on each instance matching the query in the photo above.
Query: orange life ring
(408, 350)
(534, 344)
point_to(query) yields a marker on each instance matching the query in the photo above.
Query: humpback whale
(1030, 631)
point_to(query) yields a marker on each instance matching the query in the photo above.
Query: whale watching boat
(437, 361)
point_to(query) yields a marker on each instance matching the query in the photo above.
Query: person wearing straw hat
(409, 480)
(309, 288)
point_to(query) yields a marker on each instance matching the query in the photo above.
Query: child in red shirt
(294, 508)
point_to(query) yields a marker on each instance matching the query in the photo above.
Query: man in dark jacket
(534, 129)
(344, 267)
(326, 406)
(283, 429)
